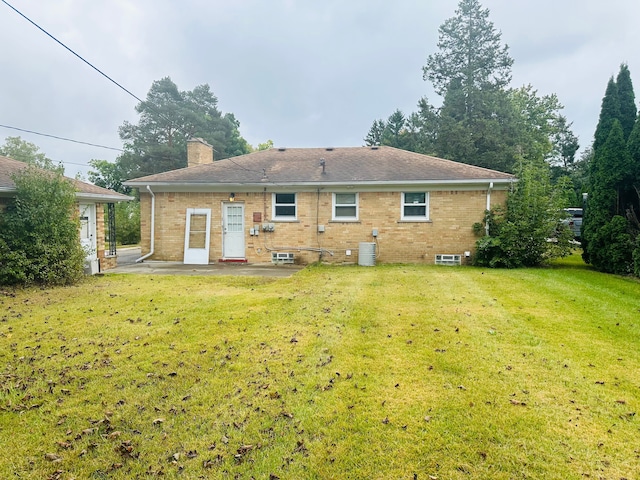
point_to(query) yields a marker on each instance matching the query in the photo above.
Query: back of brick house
(319, 204)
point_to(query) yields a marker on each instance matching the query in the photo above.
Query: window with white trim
(345, 206)
(415, 206)
(284, 206)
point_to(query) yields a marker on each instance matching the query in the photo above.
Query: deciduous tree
(23, 151)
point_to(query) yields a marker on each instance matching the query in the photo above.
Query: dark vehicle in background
(574, 220)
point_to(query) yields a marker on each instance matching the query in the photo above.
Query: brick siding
(448, 231)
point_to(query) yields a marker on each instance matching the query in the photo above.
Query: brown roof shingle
(9, 167)
(348, 164)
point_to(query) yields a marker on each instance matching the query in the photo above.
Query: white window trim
(415, 218)
(286, 218)
(334, 205)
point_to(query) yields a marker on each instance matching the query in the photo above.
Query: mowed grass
(396, 372)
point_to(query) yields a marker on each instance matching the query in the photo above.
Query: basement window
(284, 207)
(345, 206)
(415, 206)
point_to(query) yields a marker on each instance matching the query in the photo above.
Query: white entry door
(88, 234)
(196, 236)
(233, 231)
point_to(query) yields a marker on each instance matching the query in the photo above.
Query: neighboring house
(316, 204)
(91, 200)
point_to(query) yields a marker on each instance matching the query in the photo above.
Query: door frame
(87, 214)
(197, 256)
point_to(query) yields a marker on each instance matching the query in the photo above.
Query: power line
(63, 45)
(61, 138)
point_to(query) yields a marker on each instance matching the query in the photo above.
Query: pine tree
(374, 136)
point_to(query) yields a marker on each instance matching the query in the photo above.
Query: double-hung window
(415, 206)
(284, 207)
(345, 207)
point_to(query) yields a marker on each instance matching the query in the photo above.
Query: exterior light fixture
(232, 197)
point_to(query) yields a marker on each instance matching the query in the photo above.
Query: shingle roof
(341, 165)
(9, 167)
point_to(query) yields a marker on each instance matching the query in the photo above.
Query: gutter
(153, 227)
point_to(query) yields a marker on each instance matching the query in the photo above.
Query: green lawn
(389, 372)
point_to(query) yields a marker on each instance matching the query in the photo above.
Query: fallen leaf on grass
(57, 475)
(211, 462)
(52, 457)
(158, 421)
(518, 402)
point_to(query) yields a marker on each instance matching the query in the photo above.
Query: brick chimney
(199, 152)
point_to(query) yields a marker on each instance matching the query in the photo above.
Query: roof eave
(97, 197)
(380, 183)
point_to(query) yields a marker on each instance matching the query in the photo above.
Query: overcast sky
(303, 73)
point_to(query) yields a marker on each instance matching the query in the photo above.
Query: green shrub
(128, 223)
(39, 232)
(530, 231)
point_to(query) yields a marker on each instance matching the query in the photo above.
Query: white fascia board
(474, 184)
(99, 198)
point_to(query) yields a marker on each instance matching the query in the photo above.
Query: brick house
(91, 202)
(316, 204)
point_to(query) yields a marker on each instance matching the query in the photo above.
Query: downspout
(486, 227)
(153, 226)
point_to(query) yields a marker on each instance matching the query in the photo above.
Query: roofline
(359, 183)
(98, 197)
(104, 198)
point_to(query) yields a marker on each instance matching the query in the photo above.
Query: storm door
(196, 236)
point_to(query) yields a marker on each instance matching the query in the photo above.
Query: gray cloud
(301, 73)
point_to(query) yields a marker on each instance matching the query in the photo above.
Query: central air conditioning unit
(445, 259)
(279, 258)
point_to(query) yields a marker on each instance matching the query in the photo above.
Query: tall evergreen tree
(470, 51)
(627, 100)
(374, 136)
(610, 223)
(393, 134)
(634, 176)
(168, 118)
(606, 245)
(609, 111)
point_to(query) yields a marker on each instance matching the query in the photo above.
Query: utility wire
(63, 45)
(97, 70)
(61, 138)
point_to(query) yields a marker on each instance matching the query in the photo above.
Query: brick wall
(107, 262)
(449, 231)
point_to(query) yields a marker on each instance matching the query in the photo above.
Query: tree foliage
(39, 239)
(128, 222)
(108, 175)
(627, 100)
(611, 226)
(168, 118)
(481, 121)
(471, 54)
(530, 230)
(23, 151)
